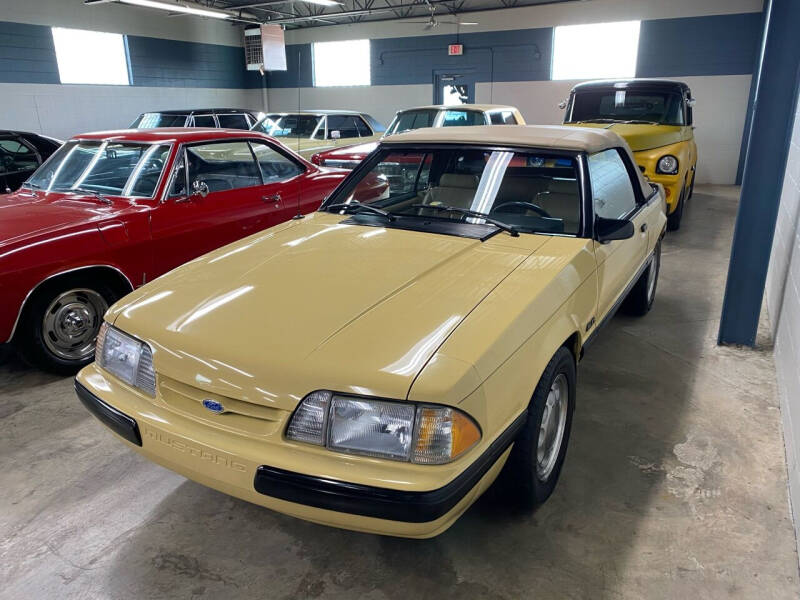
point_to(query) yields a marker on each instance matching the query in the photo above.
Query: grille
(238, 416)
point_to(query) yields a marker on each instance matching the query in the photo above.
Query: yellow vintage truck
(655, 118)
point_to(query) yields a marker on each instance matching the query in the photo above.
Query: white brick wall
(783, 305)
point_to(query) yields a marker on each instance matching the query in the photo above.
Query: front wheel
(535, 462)
(60, 326)
(640, 299)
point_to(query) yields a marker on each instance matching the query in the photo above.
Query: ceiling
(294, 13)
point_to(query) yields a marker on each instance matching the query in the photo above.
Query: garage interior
(682, 478)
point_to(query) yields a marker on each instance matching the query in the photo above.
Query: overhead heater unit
(264, 48)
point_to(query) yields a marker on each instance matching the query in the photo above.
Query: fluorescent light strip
(323, 2)
(200, 12)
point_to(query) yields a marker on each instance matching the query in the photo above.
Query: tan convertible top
(557, 137)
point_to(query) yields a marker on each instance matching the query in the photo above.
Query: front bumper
(217, 460)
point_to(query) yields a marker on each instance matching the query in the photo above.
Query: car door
(281, 175)
(214, 198)
(614, 197)
(18, 160)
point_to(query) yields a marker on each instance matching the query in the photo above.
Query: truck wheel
(535, 462)
(60, 324)
(640, 298)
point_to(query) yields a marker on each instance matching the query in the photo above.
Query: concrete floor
(674, 486)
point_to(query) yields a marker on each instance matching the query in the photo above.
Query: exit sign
(455, 49)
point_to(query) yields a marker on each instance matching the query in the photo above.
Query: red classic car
(110, 211)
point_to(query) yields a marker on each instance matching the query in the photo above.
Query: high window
(595, 51)
(90, 57)
(341, 63)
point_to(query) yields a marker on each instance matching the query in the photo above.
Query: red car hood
(23, 215)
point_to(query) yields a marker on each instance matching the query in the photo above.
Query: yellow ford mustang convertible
(376, 365)
(655, 118)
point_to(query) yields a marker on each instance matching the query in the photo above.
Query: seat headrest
(563, 186)
(458, 180)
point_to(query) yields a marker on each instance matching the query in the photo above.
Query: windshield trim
(102, 142)
(367, 164)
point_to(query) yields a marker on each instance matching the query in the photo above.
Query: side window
(509, 118)
(612, 192)
(233, 121)
(363, 130)
(222, 166)
(345, 125)
(496, 118)
(178, 187)
(274, 165)
(16, 156)
(204, 121)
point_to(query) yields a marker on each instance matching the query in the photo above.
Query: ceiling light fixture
(324, 2)
(189, 10)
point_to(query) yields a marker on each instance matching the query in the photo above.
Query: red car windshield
(113, 168)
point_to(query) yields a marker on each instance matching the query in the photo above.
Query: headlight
(421, 434)
(126, 357)
(667, 164)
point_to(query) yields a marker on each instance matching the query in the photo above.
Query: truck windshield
(612, 105)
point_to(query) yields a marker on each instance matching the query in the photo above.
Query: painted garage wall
(197, 63)
(711, 45)
(783, 306)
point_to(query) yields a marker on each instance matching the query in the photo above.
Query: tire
(640, 299)
(60, 323)
(530, 476)
(674, 218)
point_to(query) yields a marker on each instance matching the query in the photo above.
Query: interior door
(453, 87)
(614, 197)
(215, 198)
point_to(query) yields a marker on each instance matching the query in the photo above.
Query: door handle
(276, 198)
(643, 227)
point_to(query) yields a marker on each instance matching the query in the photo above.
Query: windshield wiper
(598, 121)
(355, 204)
(513, 231)
(638, 122)
(94, 193)
(33, 186)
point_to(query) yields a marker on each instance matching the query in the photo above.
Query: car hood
(23, 215)
(640, 136)
(306, 147)
(316, 304)
(350, 152)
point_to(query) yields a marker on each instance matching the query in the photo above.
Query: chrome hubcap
(652, 273)
(71, 323)
(551, 431)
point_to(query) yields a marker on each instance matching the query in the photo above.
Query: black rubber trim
(120, 423)
(382, 503)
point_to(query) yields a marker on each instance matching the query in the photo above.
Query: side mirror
(200, 188)
(607, 230)
(562, 105)
(336, 134)
(691, 102)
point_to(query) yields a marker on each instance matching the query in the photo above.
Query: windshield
(533, 192)
(427, 117)
(665, 108)
(291, 126)
(153, 120)
(115, 168)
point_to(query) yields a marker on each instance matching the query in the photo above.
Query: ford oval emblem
(213, 406)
